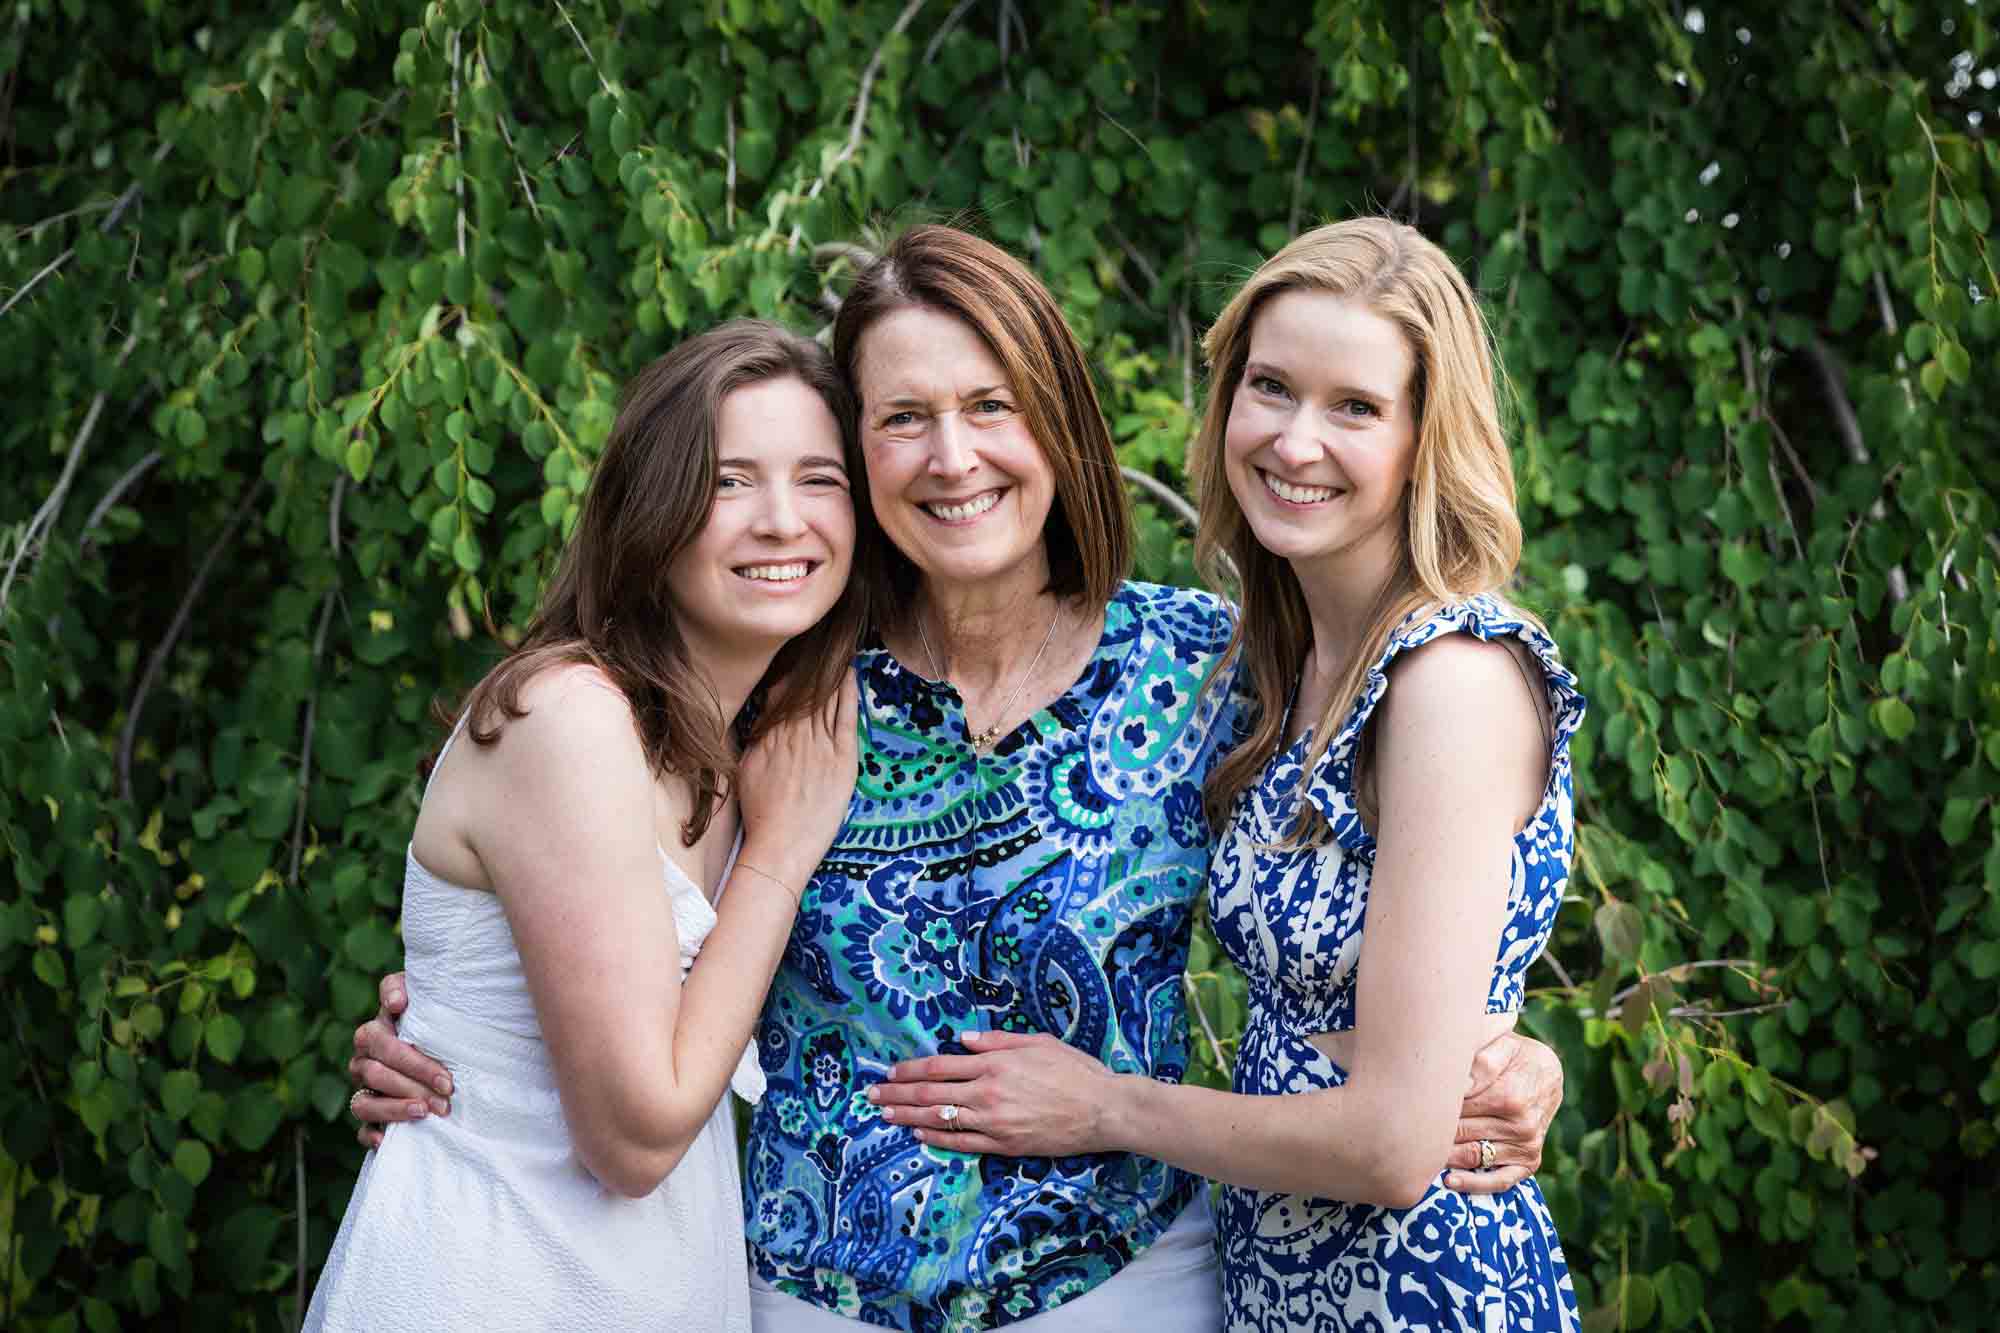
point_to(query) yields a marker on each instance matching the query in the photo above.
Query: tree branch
(1833, 381)
(45, 517)
(869, 74)
(21, 292)
(128, 735)
(1305, 148)
(132, 476)
(1166, 496)
(945, 29)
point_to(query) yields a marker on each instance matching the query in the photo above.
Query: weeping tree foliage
(314, 320)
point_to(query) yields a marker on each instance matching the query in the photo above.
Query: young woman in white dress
(586, 1176)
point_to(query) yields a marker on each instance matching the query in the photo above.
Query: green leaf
(48, 966)
(192, 1160)
(254, 1115)
(1893, 718)
(1621, 929)
(83, 913)
(178, 1088)
(224, 1035)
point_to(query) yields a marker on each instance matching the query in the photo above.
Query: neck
(983, 631)
(730, 673)
(1341, 593)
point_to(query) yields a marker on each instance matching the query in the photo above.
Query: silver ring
(354, 1102)
(1486, 1154)
(947, 1113)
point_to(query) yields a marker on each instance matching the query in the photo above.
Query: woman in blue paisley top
(1022, 852)
(1406, 767)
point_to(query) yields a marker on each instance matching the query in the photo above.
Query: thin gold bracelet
(796, 895)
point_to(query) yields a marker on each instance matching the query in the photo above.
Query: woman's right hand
(793, 788)
(393, 1079)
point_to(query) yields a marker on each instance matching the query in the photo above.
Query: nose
(1297, 445)
(778, 514)
(950, 454)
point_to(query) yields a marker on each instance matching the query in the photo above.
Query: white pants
(1175, 1286)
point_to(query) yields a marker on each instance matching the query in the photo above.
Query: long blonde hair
(1460, 534)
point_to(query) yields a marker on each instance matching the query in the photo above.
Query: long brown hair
(610, 603)
(1089, 529)
(1460, 535)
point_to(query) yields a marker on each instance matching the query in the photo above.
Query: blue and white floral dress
(1291, 919)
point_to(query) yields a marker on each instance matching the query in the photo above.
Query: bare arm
(1459, 749)
(582, 888)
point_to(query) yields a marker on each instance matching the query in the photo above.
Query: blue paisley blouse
(1045, 887)
(1291, 919)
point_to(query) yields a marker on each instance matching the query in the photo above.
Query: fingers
(369, 1137)
(1478, 1127)
(377, 1078)
(1004, 1041)
(372, 1108)
(394, 994)
(933, 1118)
(1497, 1181)
(1507, 1154)
(919, 1094)
(959, 1141)
(375, 1041)
(939, 1068)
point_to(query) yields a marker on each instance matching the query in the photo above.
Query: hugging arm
(1460, 748)
(641, 1057)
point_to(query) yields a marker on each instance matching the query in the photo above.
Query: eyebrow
(1253, 368)
(913, 400)
(810, 460)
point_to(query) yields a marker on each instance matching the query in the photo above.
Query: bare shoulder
(576, 718)
(1456, 675)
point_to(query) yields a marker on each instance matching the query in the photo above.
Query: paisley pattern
(1291, 918)
(1044, 887)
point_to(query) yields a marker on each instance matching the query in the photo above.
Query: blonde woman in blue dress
(1407, 770)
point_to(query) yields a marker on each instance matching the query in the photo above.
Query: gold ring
(947, 1113)
(354, 1102)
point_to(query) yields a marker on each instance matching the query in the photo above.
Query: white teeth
(1298, 495)
(798, 569)
(958, 513)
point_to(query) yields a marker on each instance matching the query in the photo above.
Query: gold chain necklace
(982, 740)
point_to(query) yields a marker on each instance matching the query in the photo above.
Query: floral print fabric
(1044, 887)
(1291, 919)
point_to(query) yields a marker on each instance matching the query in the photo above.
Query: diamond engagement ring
(1486, 1154)
(947, 1113)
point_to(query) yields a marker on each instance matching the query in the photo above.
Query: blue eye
(1265, 384)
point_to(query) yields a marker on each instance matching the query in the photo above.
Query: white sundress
(486, 1220)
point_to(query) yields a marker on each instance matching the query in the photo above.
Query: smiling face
(956, 479)
(1322, 433)
(775, 552)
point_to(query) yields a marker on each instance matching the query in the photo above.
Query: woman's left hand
(1021, 1095)
(1516, 1089)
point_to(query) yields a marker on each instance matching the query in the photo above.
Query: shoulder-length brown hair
(1460, 533)
(1089, 529)
(611, 603)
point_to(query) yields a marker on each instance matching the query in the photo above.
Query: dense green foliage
(314, 319)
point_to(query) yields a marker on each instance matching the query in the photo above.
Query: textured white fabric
(486, 1220)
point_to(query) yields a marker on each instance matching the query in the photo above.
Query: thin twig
(1187, 324)
(1132, 253)
(869, 74)
(602, 82)
(729, 171)
(945, 29)
(1833, 381)
(312, 699)
(45, 517)
(131, 478)
(1167, 497)
(129, 734)
(457, 145)
(1671, 973)
(1207, 1031)
(22, 291)
(1305, 148)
